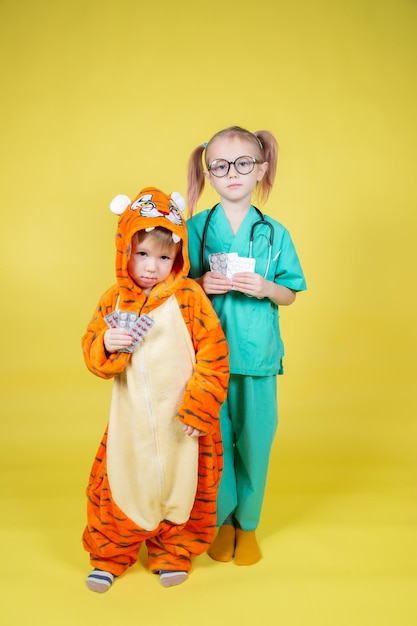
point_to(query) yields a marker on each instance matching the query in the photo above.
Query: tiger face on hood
(149, 209)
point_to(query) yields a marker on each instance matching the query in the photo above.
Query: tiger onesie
(150, 482)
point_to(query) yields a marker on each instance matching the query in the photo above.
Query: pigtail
(269, 148)
(195, 178)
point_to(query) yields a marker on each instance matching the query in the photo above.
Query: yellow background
(103, 97)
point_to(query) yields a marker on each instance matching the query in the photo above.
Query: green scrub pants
(248, 419)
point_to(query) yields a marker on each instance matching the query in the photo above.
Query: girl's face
(234, 187)
(150, 262)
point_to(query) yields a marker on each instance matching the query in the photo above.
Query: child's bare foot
(223, 547)
(247, 551)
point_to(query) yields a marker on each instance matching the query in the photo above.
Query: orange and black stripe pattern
(112, 539)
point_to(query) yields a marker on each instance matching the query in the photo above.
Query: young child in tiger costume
(155, 477)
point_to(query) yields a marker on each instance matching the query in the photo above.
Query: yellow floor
(338, 533)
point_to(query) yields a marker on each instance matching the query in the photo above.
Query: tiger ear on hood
(178, 200)
(119, 204)
(179, 203)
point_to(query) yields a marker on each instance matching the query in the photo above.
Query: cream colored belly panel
(152, 464)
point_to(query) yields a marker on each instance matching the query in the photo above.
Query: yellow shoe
(247, 551)
(223, 547)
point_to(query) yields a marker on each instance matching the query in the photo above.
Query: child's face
(234, 186)
(150, 262)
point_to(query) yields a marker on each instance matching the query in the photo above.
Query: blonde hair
(265, 149)
(161, 235)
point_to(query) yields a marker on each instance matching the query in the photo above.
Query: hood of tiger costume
(149, 209)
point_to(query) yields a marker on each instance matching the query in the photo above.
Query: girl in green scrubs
(237, 163)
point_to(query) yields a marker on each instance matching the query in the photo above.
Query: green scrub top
(251, 325)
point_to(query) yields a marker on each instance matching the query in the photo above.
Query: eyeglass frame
(229, 163)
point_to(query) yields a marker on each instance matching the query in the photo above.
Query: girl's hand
(215, 283)
(251, 284)
(258, 287)
(192, 432)
(115, 339)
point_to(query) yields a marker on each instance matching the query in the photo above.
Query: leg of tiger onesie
(111, 538)
(114, 540)
(175, 544)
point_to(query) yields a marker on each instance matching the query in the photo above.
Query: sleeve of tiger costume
(98, 360)
(206, 390)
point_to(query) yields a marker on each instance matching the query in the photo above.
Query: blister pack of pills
(218, 262)
(230, 263)
(136, 325)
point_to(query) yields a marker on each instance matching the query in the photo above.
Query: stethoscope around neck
(261, 222)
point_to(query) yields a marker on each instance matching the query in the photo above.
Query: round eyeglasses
(242, 165)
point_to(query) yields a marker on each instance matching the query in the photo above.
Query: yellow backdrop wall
(106, 97)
